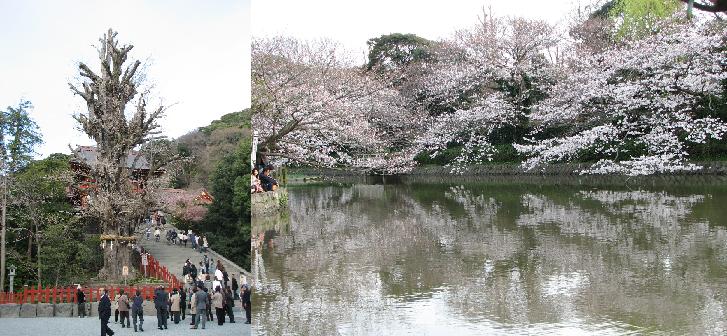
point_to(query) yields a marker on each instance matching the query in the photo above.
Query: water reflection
(433, 259)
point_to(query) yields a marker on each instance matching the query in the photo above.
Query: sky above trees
(353, 23)
(196, 54)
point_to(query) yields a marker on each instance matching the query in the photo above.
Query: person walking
(246, 302)
(175, 300)
(193, 306)
(192, 239)
(115, 306)
(137, 310)
(148, 233)
(200, 299)
(193, 271)
(229, 303)
(218, 304)
(160, 303)
(81, 301)
(205, 246)
(104, 313)
(183, 302)
(123, 304)
(157, 234)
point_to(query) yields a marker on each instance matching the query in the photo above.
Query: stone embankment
(268, 203)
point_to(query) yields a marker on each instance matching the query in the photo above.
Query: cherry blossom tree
(184, 205)
(635, 107)
(311, 105)
(485, 80)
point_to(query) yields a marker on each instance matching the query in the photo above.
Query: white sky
(353, 23)
(198, 56)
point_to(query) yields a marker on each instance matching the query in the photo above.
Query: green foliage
(205, 147)
(19, 135)
(396, 50)
(235, 119)
(639, 17)
(227, 223)
(40, 208)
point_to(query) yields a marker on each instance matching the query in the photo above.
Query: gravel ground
(61, 326)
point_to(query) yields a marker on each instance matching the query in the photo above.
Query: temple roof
(89, 155)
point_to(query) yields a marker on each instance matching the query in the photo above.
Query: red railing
(92, 294)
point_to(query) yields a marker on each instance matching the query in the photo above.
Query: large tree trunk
(115, 258)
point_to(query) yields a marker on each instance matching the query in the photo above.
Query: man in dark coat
(268, 182)
(183, 302)
(235, 287)
(161, 300)
(104, 313)
(229, 302)
(137, 310)
(81, 300)
(246, 302)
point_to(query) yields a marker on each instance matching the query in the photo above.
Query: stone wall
(61, 309)
(269, 203)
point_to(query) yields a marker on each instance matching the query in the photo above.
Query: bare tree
(114, 203)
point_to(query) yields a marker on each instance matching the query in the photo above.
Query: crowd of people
(198, 300)
(209, 292)
(262, 182)
(174, 237)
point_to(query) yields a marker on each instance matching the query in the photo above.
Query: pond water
(494, 258)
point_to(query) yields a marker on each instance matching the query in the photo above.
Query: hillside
(207, 145)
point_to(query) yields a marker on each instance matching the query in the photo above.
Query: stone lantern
(11, 273)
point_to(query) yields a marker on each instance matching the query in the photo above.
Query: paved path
(69, 326)
(173, 257)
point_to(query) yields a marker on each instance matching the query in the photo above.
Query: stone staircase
(174, 256)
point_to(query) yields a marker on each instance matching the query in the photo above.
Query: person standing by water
(104, 313)
(160, 303)
(81, 301)
(137, 310)
(200, 302)
(246, 303)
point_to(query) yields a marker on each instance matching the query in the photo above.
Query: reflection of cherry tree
(491, 254)
(639, 113)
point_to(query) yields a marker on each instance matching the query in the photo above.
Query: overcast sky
(197, 55)
(352, 23)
